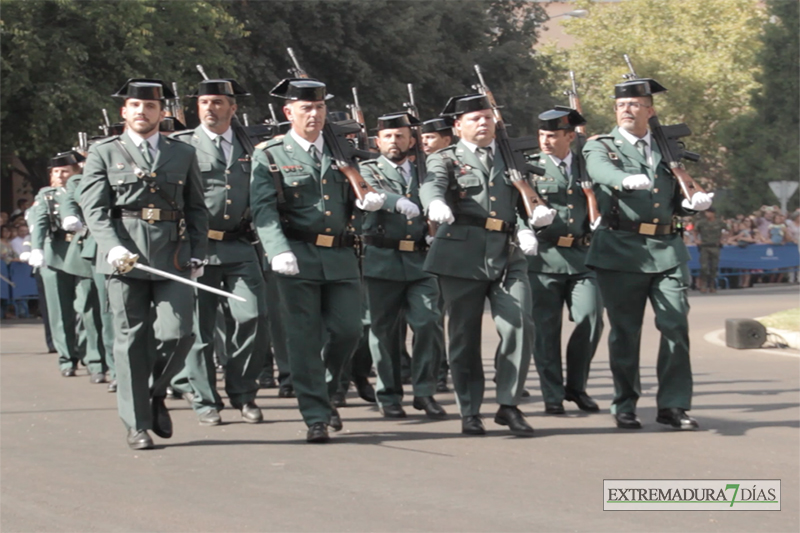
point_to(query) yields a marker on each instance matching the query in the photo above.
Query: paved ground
(66, 467)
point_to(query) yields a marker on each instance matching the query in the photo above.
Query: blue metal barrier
(24, 282)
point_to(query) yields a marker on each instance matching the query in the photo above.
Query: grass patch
(788, 320)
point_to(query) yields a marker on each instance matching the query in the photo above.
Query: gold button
(410, 222)
(569, 191)
(571, 220)
(408, 196)
(297, 195)
(294, 184)
(493, 213)
(324, 181)
(229, 201)
(151, 221)
(227, 186)
(180, 182)
(327, 197)
(492, 198)
(616, 187)
(152, 174)
(656, 204)
(408, 236)
(152, 190)
(491, 184)
(448, 234)
(570, 206)
(327, 230)
(150, 205)
(227, 172)
(655, 191)
(226, 217)
(327, 213)
(655, 220)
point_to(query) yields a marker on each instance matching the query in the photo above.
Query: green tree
(764, 145)
(705, 54)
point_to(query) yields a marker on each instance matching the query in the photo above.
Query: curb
(716, 338)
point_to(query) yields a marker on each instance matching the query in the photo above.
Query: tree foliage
(705, 54)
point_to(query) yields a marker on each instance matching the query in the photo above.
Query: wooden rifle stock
(357, 182)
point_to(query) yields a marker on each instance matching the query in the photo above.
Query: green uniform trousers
(393, 304)
(148, 313)
(277, 331)
(90, 339)
(106, 323)
(311, 307)
(625, 296)
(59, 293)
(361, 362)
(709, 264)
(245, 361)
(581, 294)
(510, 303)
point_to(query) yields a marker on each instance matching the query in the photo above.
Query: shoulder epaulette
(598, 137)
(275, 141)
(368, 162)
(451, 148)
(106, 140)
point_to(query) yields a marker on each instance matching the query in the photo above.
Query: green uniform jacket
(318, 200)
(468, 251)
(386, 263)
(572, 219)
(622, 250)
(83, 248)
(46, 232)
(109, 181)
(226, 186)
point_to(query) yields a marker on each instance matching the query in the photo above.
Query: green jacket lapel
(498, 166)
(134, 151)
(165, 146)
(627, 148)
(469, 158)
(205, 144)
(237, 152)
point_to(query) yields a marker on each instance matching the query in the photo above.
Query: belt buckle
(647, 229)
(406, 246)
(324, 240)
(216, 235)
(151, 213)
(565, 242)
(494, 224)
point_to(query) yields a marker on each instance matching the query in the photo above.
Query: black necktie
(485, 155)
(312, 151)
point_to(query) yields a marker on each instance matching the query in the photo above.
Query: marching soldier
(399, 291)
(468, 193)
(65, 292)
(639, 255)
(558, 273)
(436, 133)
(302, 205)
(142, 197)
(233, 263)
(709, 232)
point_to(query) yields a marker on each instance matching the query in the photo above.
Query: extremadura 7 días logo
(692, 495)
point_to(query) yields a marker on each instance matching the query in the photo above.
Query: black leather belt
(216, 235)
(491, 224)
(63, 234)
(644, 228)
(150, 214)
(566, 241)
(379, 241)
(346, 240)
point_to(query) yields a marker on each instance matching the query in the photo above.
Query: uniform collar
(138, 139)
(305, 145)
(228, 135)
(472, 147)
(631, 138)
(567, 160)
(406, 165)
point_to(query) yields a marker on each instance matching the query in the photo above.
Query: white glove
(528, 242)
(72, 224)
(119, 257)
(596, 224)
(24, 256)
(429, 239)
(285, 263)
(197, 267)
(407, 207)
(440, 213)
(372, 201)
(35, 258)
(636, 182)
(542, 216)
(700, 201)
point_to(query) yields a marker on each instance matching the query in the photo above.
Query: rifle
(515, 159)
(358, 115)
(580, 141)
(105, 127)
(273, 116)
(83, 143)
(238, 129)
(672, 150)
(336, 140)
(176, 107)
(419, 154)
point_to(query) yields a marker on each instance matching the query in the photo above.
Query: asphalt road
(65, 466)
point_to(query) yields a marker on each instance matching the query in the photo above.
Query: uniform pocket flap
(175, 177)
(298, 180)
(205, 167)
(453, 233)
(469, 181)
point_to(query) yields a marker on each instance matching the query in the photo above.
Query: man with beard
(399, 291)
(639, 255)
(142, 197)
(478, 207)
(302, 204)
(233, 264)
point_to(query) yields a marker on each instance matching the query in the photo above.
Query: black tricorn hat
(224, 87)
(116, 129)
(560, 118)
(337, 116)
(466, 103)
(306, 89)
(401, 119)
(639, 87)
(65, 159)
(170, 124)
(437, 125)
(144, 89)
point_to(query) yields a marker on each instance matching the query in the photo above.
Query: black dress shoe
(266, 382)
(209, 418)
(139, 440)
(173, 394)
(677, 418)
(365, 389)
(317, 433)
(68, 372)
(162, 423)
(582, 400)
(472, 425)
(554, 408)
(393, 410)
(441, 386)
(525, 393)
(511, 416)
(251, 413)
(112, 386)
(100, 377)
(628, 421)
(338, 399)
(286, 391)
(430, 406)
(336, 421)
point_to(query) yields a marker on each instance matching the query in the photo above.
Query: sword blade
(189, 282)
(2, 277)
